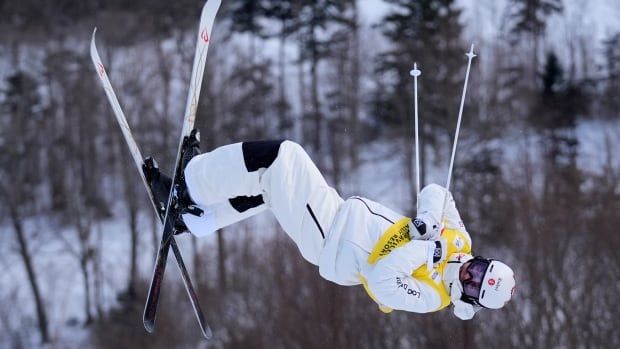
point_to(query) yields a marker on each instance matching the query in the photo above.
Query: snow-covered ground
(60, 278)
(59, 275)
(598, 144)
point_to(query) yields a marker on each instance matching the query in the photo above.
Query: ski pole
(415, 73)
(470, 55)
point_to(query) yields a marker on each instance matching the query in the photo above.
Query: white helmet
(498, 285)
(490, 283)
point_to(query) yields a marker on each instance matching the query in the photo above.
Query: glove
(424, 227)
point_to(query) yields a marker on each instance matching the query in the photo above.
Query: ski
(207, 18)
(139, 162)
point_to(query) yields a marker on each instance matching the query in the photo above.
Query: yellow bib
(397, 235)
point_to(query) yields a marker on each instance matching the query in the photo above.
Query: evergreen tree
(555, 116)
(253, 90)
(610, 101)
(283, 11)
(561, 102)
(252, 102)
(427, 32)
(315, 24)
(530, 20)
(343, 95)
(531, 15)
(246, 17)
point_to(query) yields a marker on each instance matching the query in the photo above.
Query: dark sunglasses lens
(476, 270)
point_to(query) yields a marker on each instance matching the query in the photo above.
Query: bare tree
(21, 110)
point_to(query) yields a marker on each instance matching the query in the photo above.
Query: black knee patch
(244, 203)
(260, 154)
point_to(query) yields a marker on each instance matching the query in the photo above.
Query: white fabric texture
(432, 199)
(391, 282)
(214, 177)
(217, 216)
(219, 175)
(336, 235)
(432, 228)
(358, 226)
(354, 233)
(292, 188)
(203, 225)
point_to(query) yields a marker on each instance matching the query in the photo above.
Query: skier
(420, 265)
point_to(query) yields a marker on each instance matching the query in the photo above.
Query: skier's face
(471, 275)
(463, 273)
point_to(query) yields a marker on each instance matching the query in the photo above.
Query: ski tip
(214, 3)
(149, 326)
(209, 6)
(93, 47)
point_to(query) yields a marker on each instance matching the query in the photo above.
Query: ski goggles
(475, 271)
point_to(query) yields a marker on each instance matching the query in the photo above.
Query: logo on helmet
(491, 282)
(499, 282)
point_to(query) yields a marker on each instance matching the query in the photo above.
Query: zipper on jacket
(316, 221)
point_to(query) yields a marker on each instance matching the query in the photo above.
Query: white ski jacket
(356, 230)
(342, 237)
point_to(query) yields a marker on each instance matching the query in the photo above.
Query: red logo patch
(100, 69)
(491, 282)
(204, 35)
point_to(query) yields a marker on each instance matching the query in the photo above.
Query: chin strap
(462, 310)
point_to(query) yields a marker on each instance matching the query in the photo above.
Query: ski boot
(160, 185)
(189, 149)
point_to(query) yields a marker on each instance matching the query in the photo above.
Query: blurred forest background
(536, 176)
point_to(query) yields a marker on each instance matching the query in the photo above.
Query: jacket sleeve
(432, 200)
(391, 282)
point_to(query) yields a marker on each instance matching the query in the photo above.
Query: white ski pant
(291, 187)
